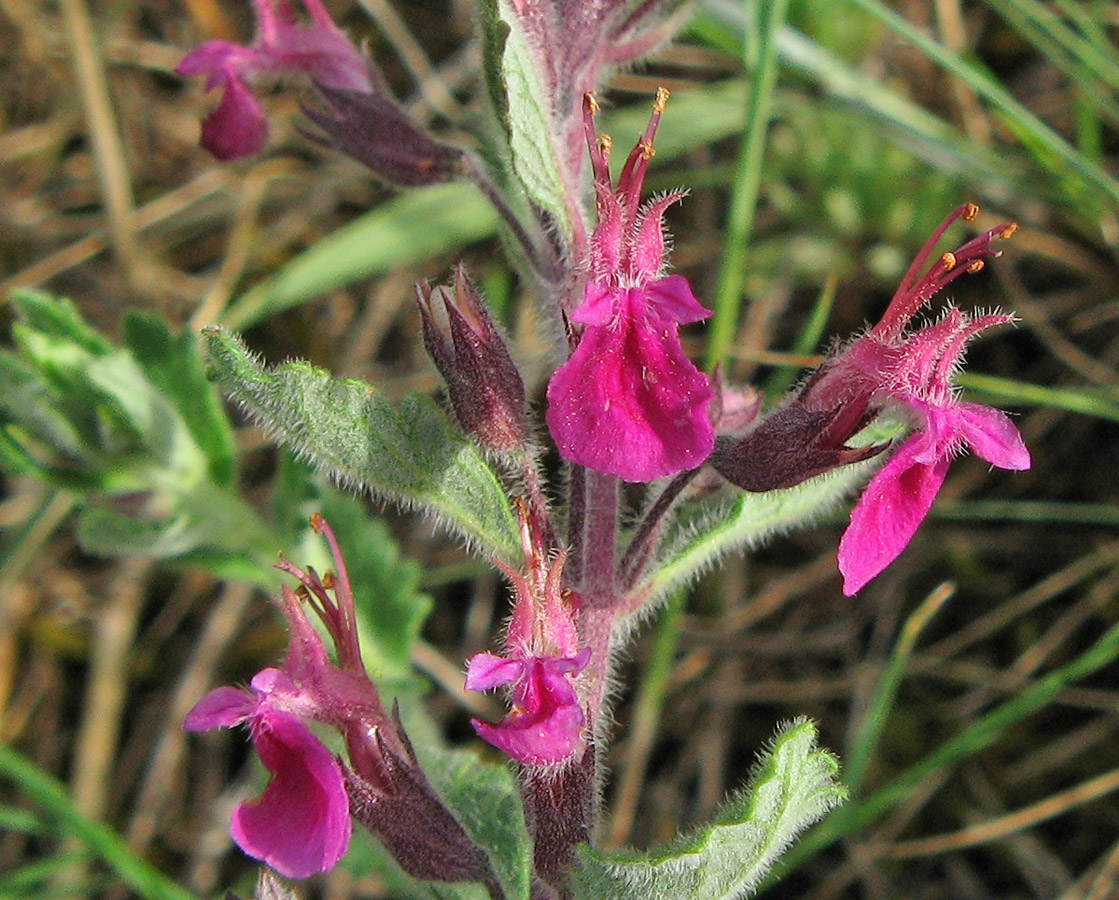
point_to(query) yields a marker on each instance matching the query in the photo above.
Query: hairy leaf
(404, 450)
(526, 110)
(794, 786)
(706, 532)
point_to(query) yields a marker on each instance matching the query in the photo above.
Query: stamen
(1009, 230)
(633, 173)
(948, 260)
(976, 266)
(599, 148)
(971, 210)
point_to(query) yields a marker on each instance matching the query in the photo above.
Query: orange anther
(948, 260)
(971, 210)
(1008, 230)
(976, 266)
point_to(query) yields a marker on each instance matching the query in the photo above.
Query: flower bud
(484, 385)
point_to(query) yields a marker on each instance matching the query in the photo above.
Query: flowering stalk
(625, 405)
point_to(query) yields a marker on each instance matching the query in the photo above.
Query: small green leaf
(174, 366)
(404, 450)
(794, 786)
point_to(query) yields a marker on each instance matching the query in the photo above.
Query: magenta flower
(628, 401)
(546, 723)
(891, 368)
(300, 825)
(900, 495)
(911, 372)
(237, 126)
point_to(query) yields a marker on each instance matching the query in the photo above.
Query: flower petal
(486, 671)
(629, 402)
(993, 437)
(546, 724)
(672, 299)
(300, 825)
(894, 503)
(223, 707)
(237, 126)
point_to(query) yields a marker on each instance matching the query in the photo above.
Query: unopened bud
(484, 384)
(406, 815)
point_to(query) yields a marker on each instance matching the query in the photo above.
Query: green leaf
(484, 798)
(794, 786)
(174, 366)
(138, 432)
(411, 227)
(527, 115)
(206, 525)
(404, 450)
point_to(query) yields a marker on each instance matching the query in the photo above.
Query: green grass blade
(857, 816)
(1048, 147)
(885, 692)
(50, 795)
(1101, 403)
(408, 228)
(761, 53)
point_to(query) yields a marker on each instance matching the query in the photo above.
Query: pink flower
(901, 493)
(911, 371)
(237, 126)
(546, 723)
(300, 825)
(628, 402)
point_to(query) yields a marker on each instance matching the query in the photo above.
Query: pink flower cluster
(910, 370)
(893, 368)
(302, 822)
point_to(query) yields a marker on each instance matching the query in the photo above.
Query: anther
(606, 143)
(647, 150)
(1008, 230)
(971, 210)
(328, 581)
(948, 260)
(317, 522)
(976, 266)
(661, 100)
(590, 101)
